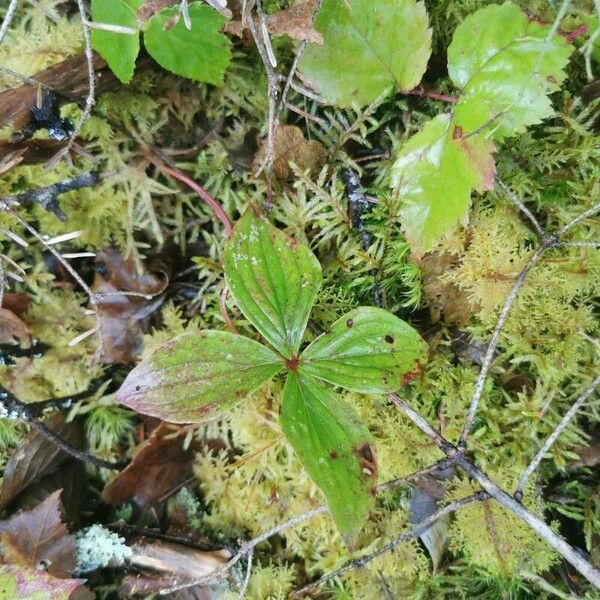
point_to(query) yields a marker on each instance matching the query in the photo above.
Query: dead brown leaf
(446, 302)
(39, 537)
(291, 145)
(36, 456)
(158, 467)
(12, 329)
(122, 317)
(296, 22)
(70, 477)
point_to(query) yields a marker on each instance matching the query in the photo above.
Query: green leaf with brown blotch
(198, 375)
(335, 448)
(434, 174)
(273, 279)
(367, 350)
(29, 583)
(388, 44)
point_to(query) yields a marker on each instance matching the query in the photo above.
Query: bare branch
(517, 202)
(591, 573)
(8, 17)
(564, 423)
(417, 530)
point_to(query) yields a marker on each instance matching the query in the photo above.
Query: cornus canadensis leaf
(119, 50)
(506, 66)
(201, 53)
(434, 174)
(196, 375)
(335, 449)
(367, 350)
(388, 42)
(273, 279)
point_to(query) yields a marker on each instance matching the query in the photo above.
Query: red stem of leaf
(573, 35)
(179, 175)
(419, 91)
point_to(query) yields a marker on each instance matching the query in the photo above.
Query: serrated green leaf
(196, 375)
(273, 279)
(367, 350)
(201, 53)
(370, 48)
(434, 174)
(334, 447)
(506, 67)
(119, 50)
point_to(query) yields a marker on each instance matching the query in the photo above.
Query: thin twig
(244, 587)
(8, 17)
(521, 206)
(47, 197)
(13, 408)
(90, 98)
(591, 573)
(292, 522)
(548, 241)
(564, 423)
(415, 531)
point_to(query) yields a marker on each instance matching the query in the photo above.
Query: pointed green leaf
(388, 44)
(196, 375)
(119, 50)
(367, 350)
(434, 174)
(506, 66)
(273, 279)
(201, 53)
(335, 449)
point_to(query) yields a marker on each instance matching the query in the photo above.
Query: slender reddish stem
(420, 91)
(179, 175)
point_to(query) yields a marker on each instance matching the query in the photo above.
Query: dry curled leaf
(296, 22)
(38, 537)
(158, 467)
(122, 316)
(36, 456)
(291, 145)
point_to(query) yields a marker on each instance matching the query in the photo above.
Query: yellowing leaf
(506, 66)
(370, 48)
(335, 449)
(367, 350)
(273, 279)
(434, 174)
(196, 375)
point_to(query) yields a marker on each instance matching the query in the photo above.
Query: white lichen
(98, 547)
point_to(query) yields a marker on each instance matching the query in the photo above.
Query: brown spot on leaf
(389, 339)
(292, 363)
(349, 323)
(457, 133)
(333, 455)
(366, 458)
(408, 377)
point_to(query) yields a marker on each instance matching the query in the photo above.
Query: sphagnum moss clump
(548, 349)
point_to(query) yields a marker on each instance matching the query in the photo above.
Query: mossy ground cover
(157, 239)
